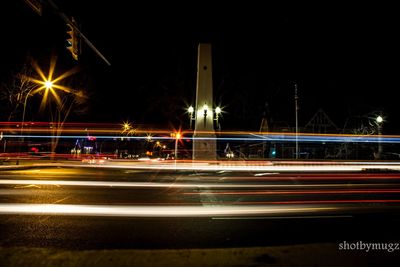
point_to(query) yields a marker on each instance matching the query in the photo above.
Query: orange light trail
(299, 192)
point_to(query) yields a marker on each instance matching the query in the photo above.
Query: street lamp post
(177, 137)
(23, 122)
(191, 118)
(47, 85)
(204, 117)
(379, 122)
(218, 112)
(297, 120)
(191, 112)
(205, 111)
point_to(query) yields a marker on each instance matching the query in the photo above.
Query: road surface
(94, 207)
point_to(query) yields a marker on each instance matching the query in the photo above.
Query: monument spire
(204, 143)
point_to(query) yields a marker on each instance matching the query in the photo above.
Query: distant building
(321, 123)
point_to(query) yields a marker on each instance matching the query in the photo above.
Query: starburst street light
(218, 112)
(205, 111)
(47, 84)
(127, 128)
(177, 136)
(191, 116)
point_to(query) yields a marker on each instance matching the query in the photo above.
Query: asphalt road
(107, 208)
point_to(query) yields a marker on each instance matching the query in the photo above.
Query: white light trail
(250, 167)
(157, 211)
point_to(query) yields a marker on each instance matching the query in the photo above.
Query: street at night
(100, 207)
(198, 134)
(119, 205)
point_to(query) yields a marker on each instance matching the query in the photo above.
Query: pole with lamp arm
(379, 122)
(218, 112)
(177, 137)
(47, 85)
(190, 112)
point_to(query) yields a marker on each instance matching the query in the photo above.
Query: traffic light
(72, 40)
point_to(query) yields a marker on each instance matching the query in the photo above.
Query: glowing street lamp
(191, 115)
(46, 84)
(204, 110)
(379, 122)
(178, 136)
(126, 126)
(218, 111)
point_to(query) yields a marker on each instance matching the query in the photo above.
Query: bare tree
(73, 101)
(13, 94)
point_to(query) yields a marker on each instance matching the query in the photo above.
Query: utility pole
(379, 122)
(297, 119)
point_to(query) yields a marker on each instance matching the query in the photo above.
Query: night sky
(345, 59)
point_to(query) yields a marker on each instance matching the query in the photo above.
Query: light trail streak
(112, 137)
(284, 217)
(342, 201)
(163, 184)
(299, 192)
(142, 128)
(316, 139)
(248, 167)
(155, 211)
(316, 177)
(228, 166)
(140, 134)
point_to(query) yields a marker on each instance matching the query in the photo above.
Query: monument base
(204, 147)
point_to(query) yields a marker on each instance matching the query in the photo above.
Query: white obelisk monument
(204, 143)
